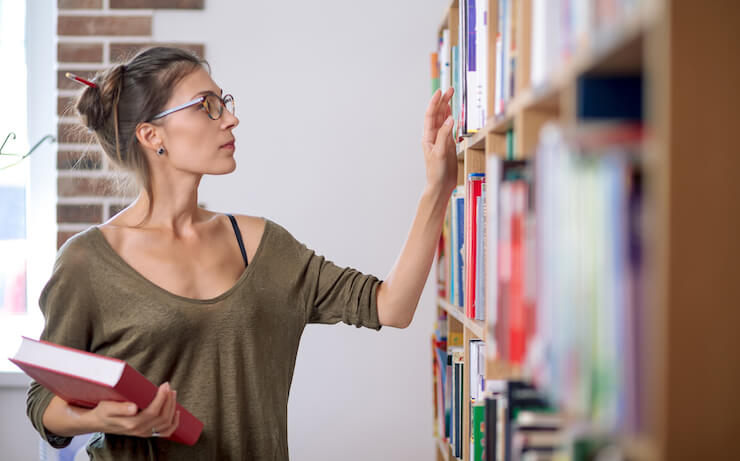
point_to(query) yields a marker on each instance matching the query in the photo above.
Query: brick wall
(92, 35)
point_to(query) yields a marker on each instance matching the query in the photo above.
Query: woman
(210, 305)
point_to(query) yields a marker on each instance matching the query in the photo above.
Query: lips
(228, 144)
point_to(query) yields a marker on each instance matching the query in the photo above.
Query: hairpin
(78, 79)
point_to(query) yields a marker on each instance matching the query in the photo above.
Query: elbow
(401, 323)
(404, 325)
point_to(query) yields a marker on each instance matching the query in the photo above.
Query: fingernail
(449, 120)
(132, 408)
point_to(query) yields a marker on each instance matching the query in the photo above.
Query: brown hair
(130, 93)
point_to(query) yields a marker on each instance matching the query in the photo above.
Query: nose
(229, 120)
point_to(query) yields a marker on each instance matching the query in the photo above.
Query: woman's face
(194, 142)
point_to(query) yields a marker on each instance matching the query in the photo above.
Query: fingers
(111, 408)
(443, 104)
(430, 117)
(436, 113)
(164, 421)
(155, 407)
(157, 415)
(443, 133)
(172, 426)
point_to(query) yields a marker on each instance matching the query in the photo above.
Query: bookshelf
(686, 54)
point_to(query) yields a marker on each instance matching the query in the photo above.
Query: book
(434, 61)
(480, 260)
(589, 306)
(493, 175)
(459, 245)
(82, 378)
(472, 192)
(444, 60)
(477, 430)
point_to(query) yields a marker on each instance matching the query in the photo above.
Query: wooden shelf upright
(688, 53)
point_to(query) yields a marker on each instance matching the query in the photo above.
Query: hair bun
(96, 104)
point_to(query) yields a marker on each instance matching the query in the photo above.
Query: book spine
(477, 432)
(444, 61)
(473, 191)
(472, 68)
(493, 175)
(517, 324)
(434, 62)
(460, 302)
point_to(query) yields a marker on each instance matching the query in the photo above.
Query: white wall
(331, 95)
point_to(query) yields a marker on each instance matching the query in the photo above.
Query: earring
(160, 151)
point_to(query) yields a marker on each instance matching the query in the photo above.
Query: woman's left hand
(439, 146)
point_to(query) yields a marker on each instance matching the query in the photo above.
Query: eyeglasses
(211, 103)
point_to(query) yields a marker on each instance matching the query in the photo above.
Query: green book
(510, 145)
(477, 430)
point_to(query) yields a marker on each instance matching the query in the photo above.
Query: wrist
(87, 419)
(437, 195)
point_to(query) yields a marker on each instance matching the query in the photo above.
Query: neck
(174, 207)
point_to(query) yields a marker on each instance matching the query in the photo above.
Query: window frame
(41, 190)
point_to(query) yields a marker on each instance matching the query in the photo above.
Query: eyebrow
(207, 92)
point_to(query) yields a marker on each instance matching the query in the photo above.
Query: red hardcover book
(518, 317)
(473, 190)
(82, 378)
(504, 270)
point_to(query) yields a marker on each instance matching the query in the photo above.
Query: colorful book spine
(480, 260)
(442, 259)
(444, 61)
(493, 178)
(434, 62)
(460, 247)
(473, 191)
(477, 430)
(517, 316)
(482, 59)
(588, 297)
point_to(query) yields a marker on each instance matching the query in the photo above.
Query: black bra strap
(238, 237)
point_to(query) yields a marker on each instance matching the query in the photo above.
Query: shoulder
(253, 226)
(79, 249)
(266, 232)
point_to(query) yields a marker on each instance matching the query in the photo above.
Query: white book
(479, 255)
(481, 34)
(539, 37)
(444, 61)
(493, 175)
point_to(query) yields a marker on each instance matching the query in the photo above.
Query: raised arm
(398, 295)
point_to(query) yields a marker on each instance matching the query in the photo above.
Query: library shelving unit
(688, 55)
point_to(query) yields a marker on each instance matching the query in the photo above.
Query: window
(13, 178)
(28, 187)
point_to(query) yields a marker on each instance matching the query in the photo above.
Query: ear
(148, 136)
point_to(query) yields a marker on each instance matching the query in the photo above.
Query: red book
(84, 379)
(473, 190)
(517, 318)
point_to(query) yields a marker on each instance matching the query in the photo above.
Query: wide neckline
(247, 270)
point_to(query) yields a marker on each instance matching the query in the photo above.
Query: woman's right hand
(123, 418)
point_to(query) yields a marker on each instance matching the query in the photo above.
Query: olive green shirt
(230, 358)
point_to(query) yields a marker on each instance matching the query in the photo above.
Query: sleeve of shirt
(67, 305)
(332, 293)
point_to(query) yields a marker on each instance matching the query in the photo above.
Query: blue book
(460, 250)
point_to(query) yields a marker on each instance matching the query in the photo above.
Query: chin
(231, 166)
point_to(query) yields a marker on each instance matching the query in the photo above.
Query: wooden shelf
(620, 51)
(683, 51)
(443, 450)
(476, 327)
